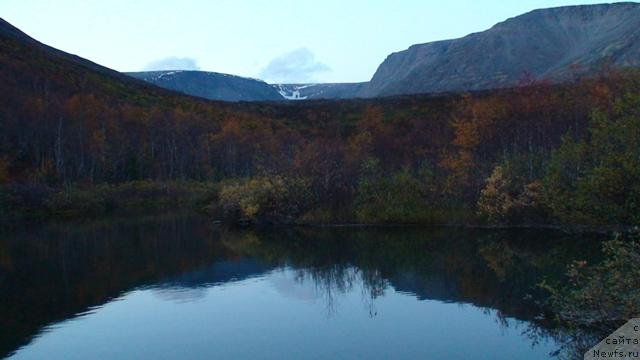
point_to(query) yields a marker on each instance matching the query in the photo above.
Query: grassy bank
(37, 201)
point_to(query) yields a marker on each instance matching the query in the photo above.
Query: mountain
(319, 91)
(31, 71)
(552, 44)
(211, 85)
(12, 36)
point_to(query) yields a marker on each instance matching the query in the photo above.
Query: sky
(280, 41)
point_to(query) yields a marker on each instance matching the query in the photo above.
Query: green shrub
(324, 215)
(595, 180)
(398, 198)
(76, 202)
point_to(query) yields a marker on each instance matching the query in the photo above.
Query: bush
(266, 199)
(508, 199)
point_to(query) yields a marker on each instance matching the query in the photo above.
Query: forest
(77, 140)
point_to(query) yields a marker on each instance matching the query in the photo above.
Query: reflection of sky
(290, 286)
(264, 318)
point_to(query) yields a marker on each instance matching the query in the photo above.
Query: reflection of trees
(333, 282)
(498, 257)
(374, 286)
(448, 265)
(572, 342)
(495, 270)
(330, 283)
(329, 269)
(59, 271)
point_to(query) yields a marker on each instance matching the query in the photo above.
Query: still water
(177, 287)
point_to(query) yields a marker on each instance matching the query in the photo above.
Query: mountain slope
(12, 36)
(549, 44)
(211, 85)
(64, 118)
(31, 69)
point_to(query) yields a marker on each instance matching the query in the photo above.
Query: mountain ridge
(211, 85)
(550, 44)
(553, 44)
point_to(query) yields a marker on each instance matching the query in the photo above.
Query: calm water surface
(176, 287)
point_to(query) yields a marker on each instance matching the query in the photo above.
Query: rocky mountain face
(552, 44)
(319, 91)
(211, 85)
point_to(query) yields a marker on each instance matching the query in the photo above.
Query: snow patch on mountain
(291, 92)
(318, 91)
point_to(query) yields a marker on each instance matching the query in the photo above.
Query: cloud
(297, 66)
(173, 63)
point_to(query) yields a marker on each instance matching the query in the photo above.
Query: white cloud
(297, 66)
(173, 63)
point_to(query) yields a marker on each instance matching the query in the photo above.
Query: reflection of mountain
(57, 272)
(429, 288)
(192, 285)
(218, 273)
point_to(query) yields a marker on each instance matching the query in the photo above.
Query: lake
(175, 286)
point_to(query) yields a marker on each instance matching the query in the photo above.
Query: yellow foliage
(502, 200)
(265, 196)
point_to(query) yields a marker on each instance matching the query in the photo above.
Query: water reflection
(167, 264)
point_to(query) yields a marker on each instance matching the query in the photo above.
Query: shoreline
(569, 229)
